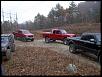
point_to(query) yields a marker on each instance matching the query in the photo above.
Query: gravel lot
(39, 58)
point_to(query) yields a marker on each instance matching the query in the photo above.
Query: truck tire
(65, 41)
(99, 56)
(99, 59)
(47, 39)
(32, 39)
(72, 48)
(8, 54)
(54, 40)
(24, 39)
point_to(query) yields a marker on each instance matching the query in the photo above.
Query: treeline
(7, 26)
(84, 12)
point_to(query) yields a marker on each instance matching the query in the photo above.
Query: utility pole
(11, 22)
(3, 15)
(10, 17)
(3, 27)
(17, 20)
(10, 25)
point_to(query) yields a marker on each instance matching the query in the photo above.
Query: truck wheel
(72, 48)
(8, 54)
(17, 38)
(24, 39)
(47, 40)
(32, 39)
(54, 40)
(99, 59)
(65, 41)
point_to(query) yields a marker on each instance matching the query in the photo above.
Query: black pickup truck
(88, 42)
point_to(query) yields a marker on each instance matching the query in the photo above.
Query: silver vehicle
(7, 45)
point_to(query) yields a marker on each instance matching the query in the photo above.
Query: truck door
(57, 34)
(20, 34)
(91, 45)
(17, 33)
(83, 41)
(87, 45)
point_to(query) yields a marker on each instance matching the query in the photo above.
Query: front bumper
(3, 50)
(29, 38)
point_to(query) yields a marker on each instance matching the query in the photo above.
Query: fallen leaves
(28, 60)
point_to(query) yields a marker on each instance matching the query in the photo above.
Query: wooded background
(84, 12)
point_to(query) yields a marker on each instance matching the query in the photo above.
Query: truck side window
(91, 37)
(58, 32)
(19, 31)
(10, 39)
(54, 32)
(85, 37)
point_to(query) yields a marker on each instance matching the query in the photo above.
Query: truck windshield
(63, 32)
(25, 32)
(4, 39)
(98, 36)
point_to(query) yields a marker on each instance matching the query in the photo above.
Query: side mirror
(92, 40)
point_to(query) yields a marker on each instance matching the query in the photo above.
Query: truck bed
(74, 38)
(47, 32)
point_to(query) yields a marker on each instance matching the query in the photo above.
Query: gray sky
(27, 10)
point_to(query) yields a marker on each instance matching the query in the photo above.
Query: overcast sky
(27, 10)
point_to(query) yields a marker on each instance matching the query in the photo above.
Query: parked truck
(7, 45)
(87, 42)
(57, 34)
(23, 35)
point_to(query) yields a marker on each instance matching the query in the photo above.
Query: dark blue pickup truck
(88, 42)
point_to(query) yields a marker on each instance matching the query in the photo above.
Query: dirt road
(59, 47)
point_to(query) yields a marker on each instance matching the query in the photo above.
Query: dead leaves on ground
(43, 61)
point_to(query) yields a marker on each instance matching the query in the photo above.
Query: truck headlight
(67, 37)
(26, 36)
(4, 49)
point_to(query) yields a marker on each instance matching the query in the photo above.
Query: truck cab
(7, 45)
(58, 31)
(87, 42)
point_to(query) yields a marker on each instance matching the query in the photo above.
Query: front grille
(30, 36)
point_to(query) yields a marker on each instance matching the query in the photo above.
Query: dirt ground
(39, 58)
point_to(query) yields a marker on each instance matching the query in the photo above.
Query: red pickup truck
(24, 35)
(57, 34)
